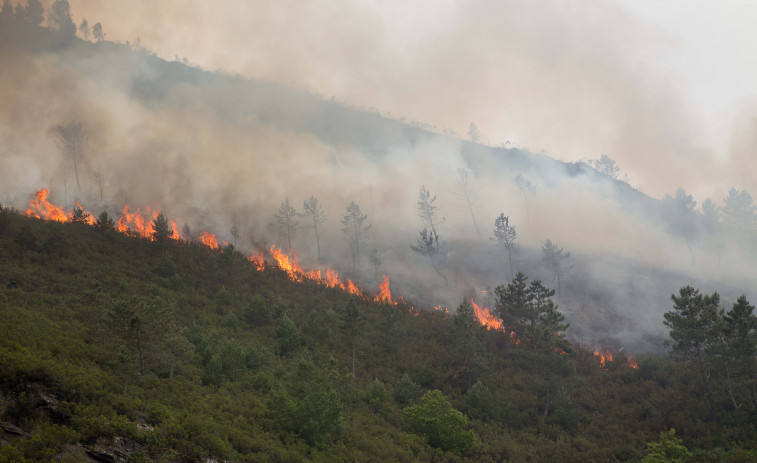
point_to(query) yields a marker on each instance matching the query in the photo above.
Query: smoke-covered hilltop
(218, 152)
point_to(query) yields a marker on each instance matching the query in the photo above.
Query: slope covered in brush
(116, 345)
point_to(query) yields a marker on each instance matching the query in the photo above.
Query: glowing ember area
(439, 308)
(330, 278)
(41, 208)
(485, 317)
(209, 240)
(385, 294)
(606, 356)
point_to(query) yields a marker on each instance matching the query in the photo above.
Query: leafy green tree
(740, 338)
(287, 334)
(161, 229)
(479, 402)
(56, 243)
(669, 449)
(406, 391)
(351, 325)
(285, 222)
(313, 211)
(693, 326)
(353, 228)
(468, 348)
(504, 237)
(436, 420)
(528, 310)
(309, 407)
(26, 238)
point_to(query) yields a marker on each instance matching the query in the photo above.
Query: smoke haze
(215, 151)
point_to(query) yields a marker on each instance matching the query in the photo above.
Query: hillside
(114, 347)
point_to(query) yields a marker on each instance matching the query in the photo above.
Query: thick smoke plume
(217, 152)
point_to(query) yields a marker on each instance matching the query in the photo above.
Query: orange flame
(41, 208)
(258, 261)
(290, 264)
(485, 317)
(606, 356)
(385, 294)
(209, 240)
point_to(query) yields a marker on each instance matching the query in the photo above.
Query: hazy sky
(665, 88)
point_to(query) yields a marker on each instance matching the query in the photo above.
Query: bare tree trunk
(729, 388)
(76, 170)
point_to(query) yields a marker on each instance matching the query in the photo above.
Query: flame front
(606, 356)
(209, 240)
(41, 208)
(485, 317)
(290, 264)
(385, 294)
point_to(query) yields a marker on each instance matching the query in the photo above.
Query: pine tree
(161, 229)
(693, 328)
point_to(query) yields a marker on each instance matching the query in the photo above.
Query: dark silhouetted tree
(6, 11)
(693, 324)
(313, 212)
(60, 18)
(504, 236)
(72, 138)
(97, 32)
(84, 29)
(161, 229)
(427, 213)
(353, 227)
(33, 13)
(286, 223)
(79, 215)
(104, 222)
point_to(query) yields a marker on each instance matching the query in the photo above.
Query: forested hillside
(117, 348)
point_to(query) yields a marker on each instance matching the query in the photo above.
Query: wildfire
(41, 208)
(330, 278)
(385, 294)
(485, 317)
(606, 356)
(258, 261)
(209, 240)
